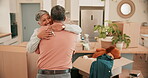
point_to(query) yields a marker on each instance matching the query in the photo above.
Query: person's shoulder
(71, 25)
(67, 32)
(36, 30)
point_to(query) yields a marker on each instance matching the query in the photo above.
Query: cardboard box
(132, 29)
(84, 64)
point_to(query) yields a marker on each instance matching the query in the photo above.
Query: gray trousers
(66, 75)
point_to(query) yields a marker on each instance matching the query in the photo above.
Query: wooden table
(4, 34)
(23, 44)
(140, 49)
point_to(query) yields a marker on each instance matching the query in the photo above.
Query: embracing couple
(55, 43)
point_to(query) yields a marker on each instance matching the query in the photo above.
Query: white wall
(5, 17)
(61, 2)
(139, 16)
(67, 5)
(91, 3)
(74, 10)
(13, 6)
(47, 5)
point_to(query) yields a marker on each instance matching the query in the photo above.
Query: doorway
(29, 23)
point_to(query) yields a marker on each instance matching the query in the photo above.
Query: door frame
(19, 16)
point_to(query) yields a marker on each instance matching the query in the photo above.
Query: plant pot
(119, 45)
(107, 42)
(108, 39)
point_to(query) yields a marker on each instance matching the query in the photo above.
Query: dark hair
(58, 13)
(40, 14)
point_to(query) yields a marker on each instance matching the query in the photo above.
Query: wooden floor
(141, 64)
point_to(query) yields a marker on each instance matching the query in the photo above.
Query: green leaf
(100, 35)
(103, 35)
(96, 27)
(115, 25)
(110, 22)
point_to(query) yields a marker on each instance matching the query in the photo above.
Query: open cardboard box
(84, 64)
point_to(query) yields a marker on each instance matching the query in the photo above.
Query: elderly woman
(44, 19)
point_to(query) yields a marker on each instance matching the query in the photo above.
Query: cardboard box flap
(85, 64)
(121, 62)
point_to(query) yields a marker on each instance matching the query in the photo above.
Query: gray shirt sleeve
(34, 42)
(73, 28)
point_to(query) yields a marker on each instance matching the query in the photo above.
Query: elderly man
(55, 59)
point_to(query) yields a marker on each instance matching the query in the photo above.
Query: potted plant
(119, 39)
(106, 33)
(114, 33)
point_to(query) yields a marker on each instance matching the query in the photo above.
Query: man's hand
(57, 26)
(44, 34)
